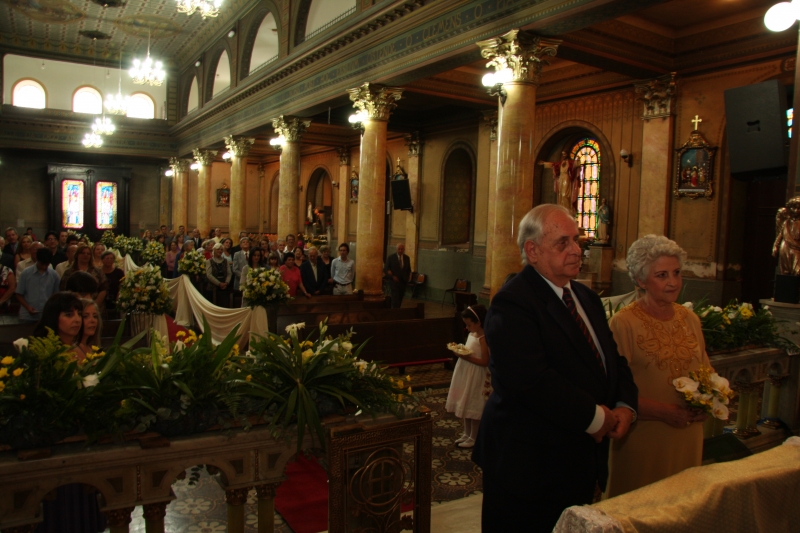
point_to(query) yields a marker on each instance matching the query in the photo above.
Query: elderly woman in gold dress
(661, 340)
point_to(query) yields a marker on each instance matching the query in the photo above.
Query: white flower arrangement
(144, 291)
(154, 253)
(192, 263)
(265, 286)
(126, 245)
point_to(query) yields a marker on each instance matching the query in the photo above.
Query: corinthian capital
(414, 144)
(239, 146)
(657, 95)
(376, 101)
(344, 156)
(204, 157)
(292, 128)
(179, 165)
(520, 51)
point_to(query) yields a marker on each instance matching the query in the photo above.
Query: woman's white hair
(531, 227)
(646, 250)
(217, 246)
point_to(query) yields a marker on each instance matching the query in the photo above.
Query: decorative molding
(658, 96)
(179, 165)
(377, 101)
(239, 146)
(267, 492)
(521, 51)
(344, 156)
(236, 496)
(490, 117)
(204, 157)
(292, 128)
(414, 144)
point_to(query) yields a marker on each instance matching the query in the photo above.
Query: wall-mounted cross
(696, 121)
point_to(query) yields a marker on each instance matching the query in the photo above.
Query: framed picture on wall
(694, 168)
(224, 196)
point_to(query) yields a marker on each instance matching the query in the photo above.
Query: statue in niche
(310, 213)
(566, 180)
(787, 238)
(353, 187)
(603, 221)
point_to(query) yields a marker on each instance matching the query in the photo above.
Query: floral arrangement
(82, 237)
(154, 253)
(192, 263)
(315, 376)
(127, 245)
(144, 291)
(264, 286)
(738, 325)
(108, 239)
(706, 391)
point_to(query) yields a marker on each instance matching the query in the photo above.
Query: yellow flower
(180, 334)
(2, 386)
(408, 378)
(248, 378)
(3, 372)
(7, 360)
(409, 391)
(308, 354)
(21, 396)
(308, 344)
(96, 348)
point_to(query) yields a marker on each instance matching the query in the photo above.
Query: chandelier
(147, 71)
(118, 104)
(103, 126)
(92, 140)
(207, 8)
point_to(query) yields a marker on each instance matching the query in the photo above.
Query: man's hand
(609, 424)
(624, 421)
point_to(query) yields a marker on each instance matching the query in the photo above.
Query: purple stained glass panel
(106, 201)
(72, 192)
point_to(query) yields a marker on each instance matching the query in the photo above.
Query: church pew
(403, 342)
(310, 306)
(351, 318)
(328, 298)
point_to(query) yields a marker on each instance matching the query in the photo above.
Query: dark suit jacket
(311, 283)
(393, 264)
(546, 385)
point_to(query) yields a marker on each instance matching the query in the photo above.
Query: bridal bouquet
(706, 390)
(144, 291)
(264, 286)
(153, 253)
(192, 263)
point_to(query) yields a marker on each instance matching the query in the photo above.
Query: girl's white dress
(470, 386)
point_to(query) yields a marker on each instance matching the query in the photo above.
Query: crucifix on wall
(696, 121)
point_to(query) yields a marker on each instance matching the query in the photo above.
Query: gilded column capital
(236, 496)
(239, 146)
(291, 128)
(377, 101)
(658, 96)
(179, 165)
(119, 517)
(267, 492)
(414, 144)
(204, 157)
(521, 51)
(490, 117)
(154, 511)
(344, 156)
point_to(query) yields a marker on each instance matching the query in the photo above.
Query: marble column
(205, 158)
(165, 200)
(491, 118)
(266, 507)
(180, 176)
(343, 199)
(239, 147)
(520, 54)
(658, 96)
(154, 514)
(414, 144)
(292, 130)
(376, 103)
(263, 199)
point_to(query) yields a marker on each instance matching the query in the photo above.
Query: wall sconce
(627, 157)
(227, 157)
(197, 63)
(301, 188)
(231, 34)
(195, 166)
(169, 173)
(494, 82)
(335, 184)
(278, 142)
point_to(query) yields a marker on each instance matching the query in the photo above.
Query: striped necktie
(582, 325)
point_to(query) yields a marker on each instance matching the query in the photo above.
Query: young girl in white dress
(471, 381)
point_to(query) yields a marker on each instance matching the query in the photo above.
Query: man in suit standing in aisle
(398, 271)
(561, 389)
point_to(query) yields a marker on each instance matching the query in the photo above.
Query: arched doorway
(320, 195)
(457, 198)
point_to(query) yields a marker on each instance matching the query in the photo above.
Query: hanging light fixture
(147, 71)
(103, 126)
(92, 140)
(207, 8)
(118, 104)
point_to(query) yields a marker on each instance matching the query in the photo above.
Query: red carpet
(302, 500)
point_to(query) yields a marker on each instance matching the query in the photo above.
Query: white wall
(60, 80)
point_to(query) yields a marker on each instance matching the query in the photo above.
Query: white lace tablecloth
(586, 519)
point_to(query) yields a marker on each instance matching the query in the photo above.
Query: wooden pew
(309, 306)
(352, 318)
(328, 298)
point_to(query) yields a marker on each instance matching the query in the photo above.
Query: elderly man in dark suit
(398, 271)
(312, 273)
(561, 389)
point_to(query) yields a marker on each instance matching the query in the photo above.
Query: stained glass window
(789, 120)
(72, 203)
(587, 152)
(106, 201)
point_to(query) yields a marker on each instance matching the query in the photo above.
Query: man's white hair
(531, 227)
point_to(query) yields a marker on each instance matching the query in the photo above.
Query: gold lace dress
(657, 351)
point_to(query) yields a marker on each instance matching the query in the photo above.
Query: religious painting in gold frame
(694, 168)
(224, 196)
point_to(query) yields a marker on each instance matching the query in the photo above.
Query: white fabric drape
(191, 307)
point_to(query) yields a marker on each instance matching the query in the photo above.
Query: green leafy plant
(739, 325)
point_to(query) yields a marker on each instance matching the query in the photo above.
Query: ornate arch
(301, 20)
(258, 17)
(458, 202)
(185, 88)
(212, 58)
